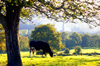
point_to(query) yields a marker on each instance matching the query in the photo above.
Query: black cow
(37, 45)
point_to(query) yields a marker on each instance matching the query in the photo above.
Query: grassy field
(38, 60)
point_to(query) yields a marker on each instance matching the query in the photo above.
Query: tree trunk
(12, 45)
(11, 32)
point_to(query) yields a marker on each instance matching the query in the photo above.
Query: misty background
(60, 26)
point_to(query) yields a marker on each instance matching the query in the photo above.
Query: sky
(69, 27)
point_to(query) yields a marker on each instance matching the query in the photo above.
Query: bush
(63, 54)
(81, 54)
(74, 53)
(66, 50)
(95, 53)
(89, 54)
(78, 49)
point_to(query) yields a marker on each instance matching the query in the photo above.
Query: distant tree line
(83, 40)
(70, 41)
(57, 40)
(23, 32)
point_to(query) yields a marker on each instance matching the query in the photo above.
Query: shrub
(89, 54)
(66, 50)
(95, 53)
(78, 49)
(81, 53)
(74, 53)
(63, 54)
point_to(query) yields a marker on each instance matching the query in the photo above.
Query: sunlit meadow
(38, 60)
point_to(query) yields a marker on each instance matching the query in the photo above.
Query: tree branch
(51, 4)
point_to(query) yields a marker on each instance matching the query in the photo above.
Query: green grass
(3, 59)
(62, 61)
(38, 60)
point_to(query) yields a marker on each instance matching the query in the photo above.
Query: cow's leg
(33, 52)
(30, 52)
(44, 52)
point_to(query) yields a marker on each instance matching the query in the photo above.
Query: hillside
(23, 26)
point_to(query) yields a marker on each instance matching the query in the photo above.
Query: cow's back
(40, 45)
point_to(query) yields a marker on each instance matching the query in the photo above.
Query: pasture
(38, 60)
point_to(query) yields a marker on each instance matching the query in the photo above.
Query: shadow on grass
(33, 57)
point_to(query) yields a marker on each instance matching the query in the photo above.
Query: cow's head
(51, 53)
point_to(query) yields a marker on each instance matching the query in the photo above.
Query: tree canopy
(76, 38)
(64, 36)
(59, 10)
(85, 40)
(48, 34)
(23, 32)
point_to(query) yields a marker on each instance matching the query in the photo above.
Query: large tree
(94, 41)
(76, 38)
(48, 34)
(85, 40)
(59, 10)
(65, 36)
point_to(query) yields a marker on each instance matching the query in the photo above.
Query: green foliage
(2, 38)
(76, 38)
(24, 43)
(48, 34)
(77, 49)
(85, 40)
(23, 32)
(91, 40)
(65, 36)
(63, 54)
(2, 47)
(94, 42)
(66, 50)
(56, 10)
